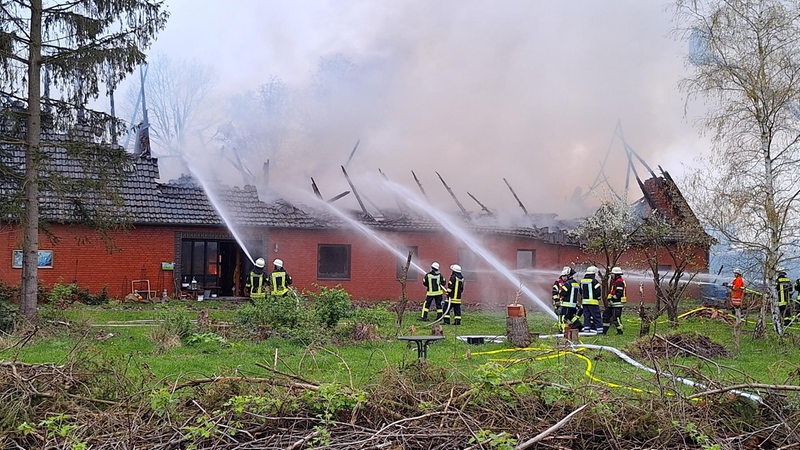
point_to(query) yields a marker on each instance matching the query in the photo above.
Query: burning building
(180, 234)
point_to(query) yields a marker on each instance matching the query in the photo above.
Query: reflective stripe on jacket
(784, 287)
(433, 284)
(590, 291)
(279, 280)
(456, 288)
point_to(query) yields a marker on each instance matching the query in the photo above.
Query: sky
(540, 93)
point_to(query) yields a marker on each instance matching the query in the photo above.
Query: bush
(286, 316)
(9, 313)
(331, 305)
(176, 322)
(8, 293)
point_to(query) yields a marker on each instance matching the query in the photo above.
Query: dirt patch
(679, 344)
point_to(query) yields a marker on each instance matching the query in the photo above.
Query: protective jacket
(590, 290)
(784, 288)
(255, 283)
(433, 283)
(455, 287)
(280, 280)
(616, 295)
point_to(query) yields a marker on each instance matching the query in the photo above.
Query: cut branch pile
(411, 407)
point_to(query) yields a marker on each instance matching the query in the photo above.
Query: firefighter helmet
(781, 270)
(591, 270)
(435, 266)
(566, 271)
(455, 268)
(278, 263)
(737, 271)
(616, 270)
(260, 262)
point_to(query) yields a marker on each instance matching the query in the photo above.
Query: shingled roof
(144, 201)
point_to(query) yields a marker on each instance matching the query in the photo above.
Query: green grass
(766, 360)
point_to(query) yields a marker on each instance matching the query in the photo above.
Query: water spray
(451, 227)
(369, 233)
(217, 204)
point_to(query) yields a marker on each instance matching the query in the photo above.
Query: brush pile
(416, 406)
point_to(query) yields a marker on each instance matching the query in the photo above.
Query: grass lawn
(123, 333)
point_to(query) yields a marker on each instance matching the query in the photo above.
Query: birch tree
(83, 44)
(744, 64)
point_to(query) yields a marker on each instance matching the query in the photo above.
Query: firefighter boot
(619, 331)
(605, 329)
(446, 321)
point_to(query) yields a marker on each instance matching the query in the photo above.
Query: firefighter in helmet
(783, 286)
(256, 285)
(279, 279)
(616, 301)
(434, 290)
(590, 299)
(570, 312)
(559, 290)
(455, 289)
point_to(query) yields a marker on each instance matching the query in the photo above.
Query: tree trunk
(30, 221)
(517, 331)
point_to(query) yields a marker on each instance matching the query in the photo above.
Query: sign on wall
(45, 259)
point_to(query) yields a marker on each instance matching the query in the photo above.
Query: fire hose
(622, 355)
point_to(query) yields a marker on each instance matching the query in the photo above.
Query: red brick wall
(80, 255)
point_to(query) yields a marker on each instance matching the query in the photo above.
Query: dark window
(526, 259)
(200, 262)
(333, 262)
(401, 263)
(468, 261)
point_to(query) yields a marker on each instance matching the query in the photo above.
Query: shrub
(9, 313)
(286, 316)
(331, 305)
(177, 322)
(8, 293)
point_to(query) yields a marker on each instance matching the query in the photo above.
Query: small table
(422, 343)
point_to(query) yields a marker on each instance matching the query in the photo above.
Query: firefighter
(570, 312)
(279, 279)
(796, 300)
(616, 301)
(591, 292)
(783, 286)
(257, 288)
(455, 289)
(559, 288)
(434, 291)
(737, 290)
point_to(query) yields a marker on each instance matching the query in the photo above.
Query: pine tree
(78, 46)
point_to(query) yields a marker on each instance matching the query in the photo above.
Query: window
(45, 260)
(468, 261)
(333, 262)
(200, 262)
(401, 263)
(526, 259)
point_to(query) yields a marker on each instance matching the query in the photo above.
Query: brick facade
(80, 255)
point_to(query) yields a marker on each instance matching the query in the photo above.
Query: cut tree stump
(517, 331)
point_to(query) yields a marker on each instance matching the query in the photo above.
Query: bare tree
(259, 125)
(676, 247)
(746, 64)
(82, 44)
(174, 92)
